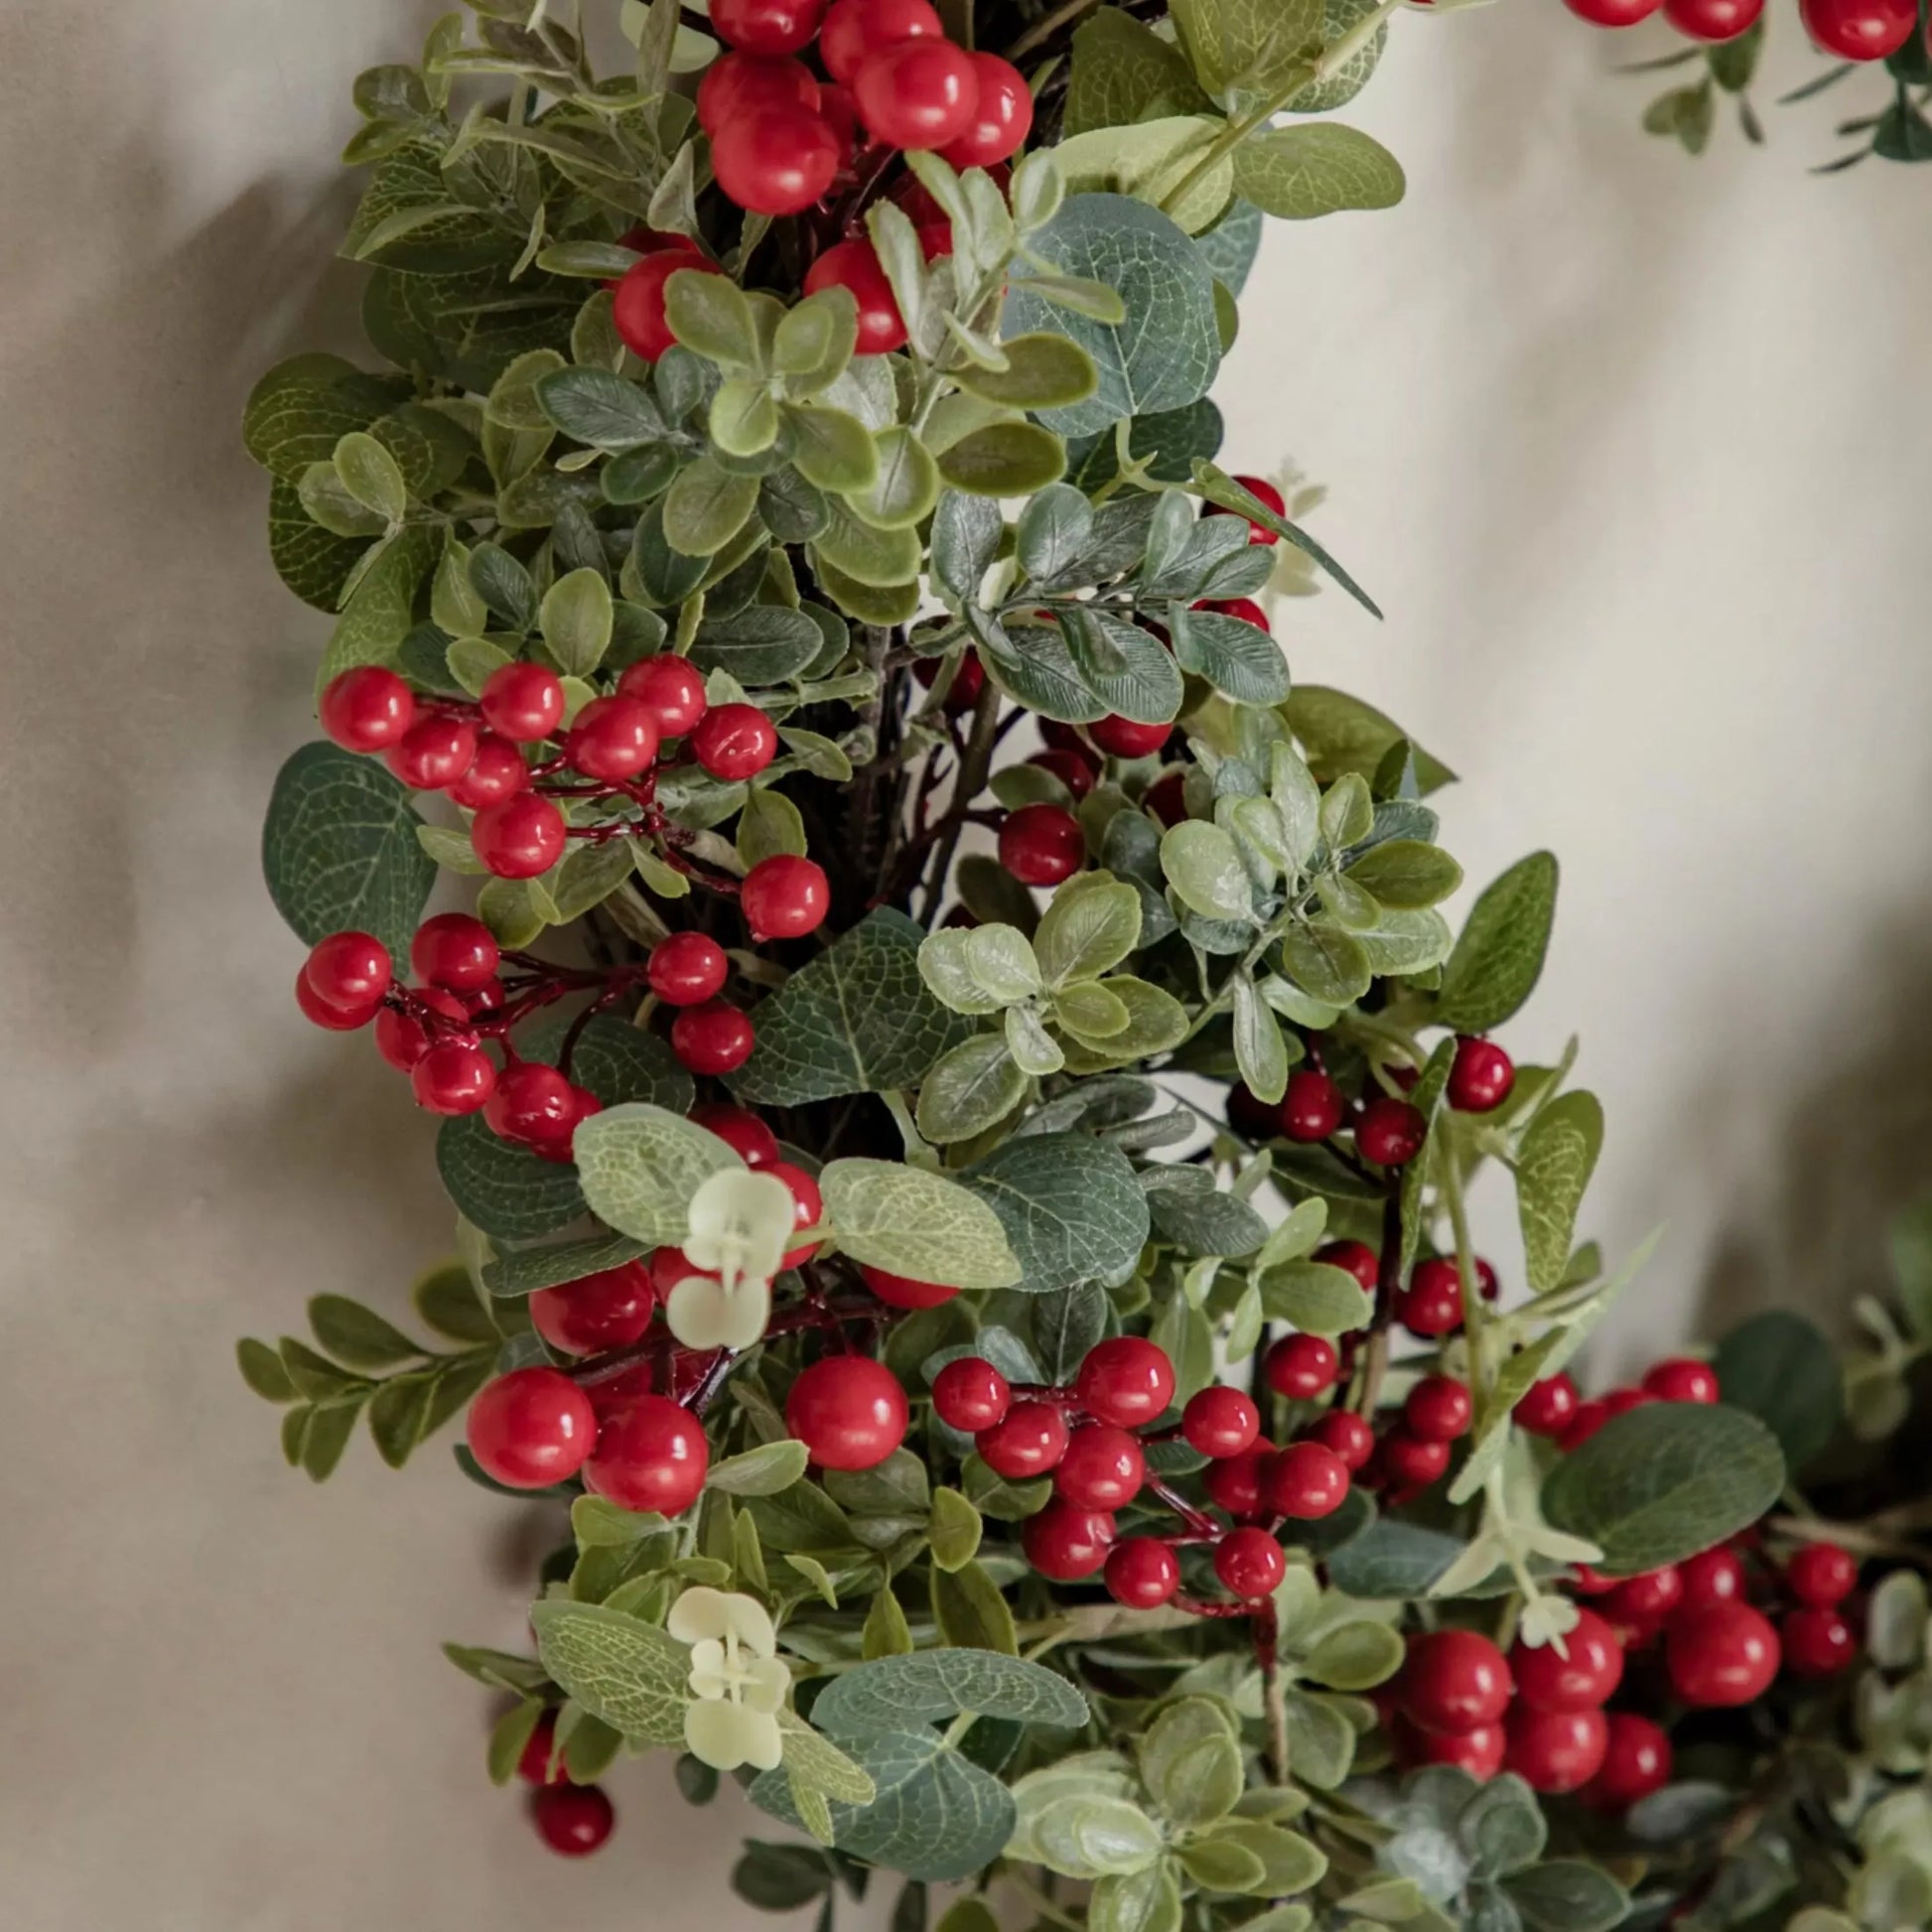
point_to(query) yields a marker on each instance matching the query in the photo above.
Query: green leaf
(1289, 1862)
(1553, 1169)
(801, 1518)
(1406, 874)
(261, 1368)
(954, 1531)
(1313, 1294)
(970, 1610)
(1158, 161)
(576, 616)
(1258, 1049)
(781, 1878)
(707, 506)
(1197, 1216)
(1087, 931)
(505, 1190)
(1203, 865)
(619, 1669)
(600, 409)
(1909, 1244)
(512, 1732)
(1325, 962)
(339, 849)
(877, 1698)
(709, 313)
(1355, 1656)
(915, 1223)
(1342, 734)
(616, 1060)
(301, 410)
(1319, 168)
(381, 608)
(1568, 1895)
(887, 1632)
(856, 1019)
(762, 1471)
(1004, 460)
(1071, 1206)
(1088, 1836)
(1123, 73)
(1240, 660)
(1660, 1482)
(640, 1165)
(764, 643)
(312, 561)
(1147, 1900)
(1056, 526)
(970, 1088)
(1168, 350)
(371, 476)
(1191, 1763)
(832, 449)
(866, 554)
(1042, 372)
(357, 1335)
(966, 532)
(1393, 1559)
(743, 420)
(1782, 1369)
(1499, 956)
(1320, 1740)
(906, 484)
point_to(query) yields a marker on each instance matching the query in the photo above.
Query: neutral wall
(1634, 452)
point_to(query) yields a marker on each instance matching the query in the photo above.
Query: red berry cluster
(572, 1819)
(1851, 30)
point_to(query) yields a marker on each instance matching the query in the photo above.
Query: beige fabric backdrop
(1634, 452)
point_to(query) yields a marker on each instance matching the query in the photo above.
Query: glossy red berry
(1126, 1381)
(531, 1103)
(432, 753)
(1439, 1409)
(669, 1266)
(533, 1765)
(903, 1292)
(1066, 1543)
(1245, 609)
(1355, 1258)
(807, 1206)
(1478, 1751)
(855, 265)
(921, 92)
(1713, 20)
(1040, 845)
(1723, 1654)
(970, 1395)
(349, 970)
(1620, 1400)
(1027, 1442)
(1349, 1434)
(1582, 1680)
(1069, 768)
(1413, 1461)
(1312, 1107)
(1547, 1407)
(1612, 13)
(1219, 1422)
(1302, 1367)
(1647, 1598)
(520, 837)
(853, 29)
(650, 1455)
(367, 708)
(775, 160)
(531, 1428)
(686, 969)
(453, 1078)
(1003, 115)
(741, 1130)
(1681, 1380)
(1250, 1564)
(1432, 1304)
(968, 681)
(768, 26)
(1167, 799)
(785, 897)
(637, 305)
(455, 951)
(402, 1038)
(1234, 1482)
(1142, 1572)
(670, 689)
(1389, 1131)
(1454, 1679)
(1556, 1750)
(712, 1039)
(1589, 1418)
(613, 740)
(572, 1819)
(1817, 1642)
(1821, 1574)
(337, 1019)
(1480, 1076)
(1306, 1481)
(1123, 737)
(1709, 1577)
(849, 1411)
(522, 701)
(1859, 29)
(1264, 492)
(737, 84)
(1103, 1467)
(734, 742)
(497, 772)
(1636, 1762)
(609, 1309)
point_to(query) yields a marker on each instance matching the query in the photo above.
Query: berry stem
(967, 786)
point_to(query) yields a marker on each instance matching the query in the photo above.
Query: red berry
(849, 1411)
(1547, 1406)
(1432, 1304)
(1027, 1442)
(520, 837)
(712, 1039)
(1127, 1381)
(1478, 1751)
(687, 969)
(669, 1266)
(572, 1819)
(1243, 607)
(916, 93)
(1556, 1750)
(1103, 1468)
(1713, 20)
(455, 951)
(1859, 29)
(766, 26)
(613, 740)
(522, 701)
(531, 1103)
(775, 160)
(1681, 1380)
(1040, 845)
(1636, 1762)
(968, 681)
(670, 689)
(903, 1292)
(1817, 1642)
(1349, 1434)
(1821, 1574)
(1142, 1572)
(734, 742)
(854, 28)
(1389, 1131)
(533, 1766)
(1302, 1367)
(1167, 799)
(807, 1206)
(609, 1309)
(1454, 1679)
(1647, 1598)
(1312, 1107)
(453, 1078)
(1220, 1422)
(1264, 492)
(785, 897)
(337, 1019)
(1620, 1400)
(1710, 1576)
(349, 970)
(1069, 768)
(367, 708)
(1003, 115)
(1066, 1543)
(531, 1428)
(744, 1133)
(1581, 1681)
(1589, 1419)
(497, 772)
(1613, 13)
(402, 1038)
(650, 1455)
(1439, 1409)
(737, 84)
(1306, 1481)
(1723, 1654)
(855, 265)
(432, 753)
(637, 307)
(1487, 1286)
(971, 1395)
(1122, 738)
(841, 114)
(1480, 1076)
(1413, 1461)
(1250, 1564)
(1356, 1257)
(1234, 1482)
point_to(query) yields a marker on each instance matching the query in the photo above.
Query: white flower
(740, 1225)
(738, 1678)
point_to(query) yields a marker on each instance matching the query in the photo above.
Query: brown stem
(977, 763)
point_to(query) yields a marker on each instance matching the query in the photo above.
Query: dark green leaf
(503, 1190)
(1071, 1206)
(1499, 956)
(1782, 1369)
